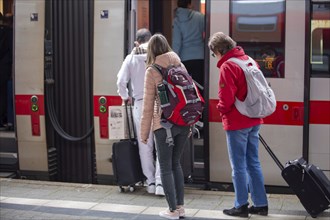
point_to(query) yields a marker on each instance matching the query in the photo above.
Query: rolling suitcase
(126, 159)
(307, 181)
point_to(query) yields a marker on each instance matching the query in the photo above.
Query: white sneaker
(159, 190)
(151, 188)
(181, 211)
(170, 215)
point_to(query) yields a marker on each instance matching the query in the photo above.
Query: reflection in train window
(258, 26)
(320, 39)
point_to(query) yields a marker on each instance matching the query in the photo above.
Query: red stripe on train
(319, 112)
(110, 101)
(24, 104)
(287, 113)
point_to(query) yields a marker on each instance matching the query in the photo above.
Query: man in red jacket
(241, 131)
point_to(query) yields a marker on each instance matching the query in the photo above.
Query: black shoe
(9, 127)
(259, 210)
(240, 212)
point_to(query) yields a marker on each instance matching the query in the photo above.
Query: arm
(148, 105)
(227, 90)
(177, 38)
(123, 78)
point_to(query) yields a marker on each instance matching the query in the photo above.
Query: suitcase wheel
(121, 189)
(139, 183)
(131, 188)
(190, 179)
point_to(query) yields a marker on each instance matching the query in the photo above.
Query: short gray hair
(143, 35)
(221, 43)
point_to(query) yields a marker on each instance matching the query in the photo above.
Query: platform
(28, 199)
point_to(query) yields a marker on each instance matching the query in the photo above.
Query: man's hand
(128, 101)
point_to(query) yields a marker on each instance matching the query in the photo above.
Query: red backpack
(181, 101)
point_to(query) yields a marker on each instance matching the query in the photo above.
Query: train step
(8, 174)
(8, 155)
(8, 142)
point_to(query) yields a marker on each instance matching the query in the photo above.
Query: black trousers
(196, 70)
(3, 100)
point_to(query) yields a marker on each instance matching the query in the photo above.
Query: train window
(258, 26)
(320, 39)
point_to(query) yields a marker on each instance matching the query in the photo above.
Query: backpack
(260, 101)
(181, 101)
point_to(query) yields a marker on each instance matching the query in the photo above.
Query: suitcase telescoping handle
(271, 153)
(130, 121)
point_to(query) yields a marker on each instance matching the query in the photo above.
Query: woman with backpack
(159, 52)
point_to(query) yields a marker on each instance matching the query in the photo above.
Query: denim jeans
(246, 169)
(169, 161)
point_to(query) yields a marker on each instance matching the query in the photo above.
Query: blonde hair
(157, 45)
(221, 43)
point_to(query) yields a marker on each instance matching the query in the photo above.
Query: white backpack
(260, 101)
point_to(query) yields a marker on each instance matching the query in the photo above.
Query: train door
(29, 88)
(317, 96)
(110, 44)
(273, 33)
(116, 23)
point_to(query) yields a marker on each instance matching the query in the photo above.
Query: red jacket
(233, 84)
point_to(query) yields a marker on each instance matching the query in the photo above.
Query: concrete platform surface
(29, 199)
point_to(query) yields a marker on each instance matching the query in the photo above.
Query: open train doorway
(8, 144)
(158, 16)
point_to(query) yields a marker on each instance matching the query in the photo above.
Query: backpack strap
(161, 71)
(169, 138)
(243, 63)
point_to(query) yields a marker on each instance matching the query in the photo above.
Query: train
(67, 55)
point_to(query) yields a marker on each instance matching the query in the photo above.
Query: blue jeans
(246, 169)
(169, 162)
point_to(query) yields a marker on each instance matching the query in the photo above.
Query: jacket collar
(235, 52)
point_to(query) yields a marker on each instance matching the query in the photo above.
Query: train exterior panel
(29, 85)
(319, 129)
(284, 129)
(109, 21)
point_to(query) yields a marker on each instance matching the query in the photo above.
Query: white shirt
(133, 69)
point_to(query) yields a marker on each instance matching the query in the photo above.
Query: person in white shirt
(133, 70)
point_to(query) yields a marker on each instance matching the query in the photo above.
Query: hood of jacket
(140, 52)
(167, 59)
(237, 52)
(183, 14)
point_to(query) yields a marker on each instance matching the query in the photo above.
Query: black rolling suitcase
(126, 159)
(307, 181)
